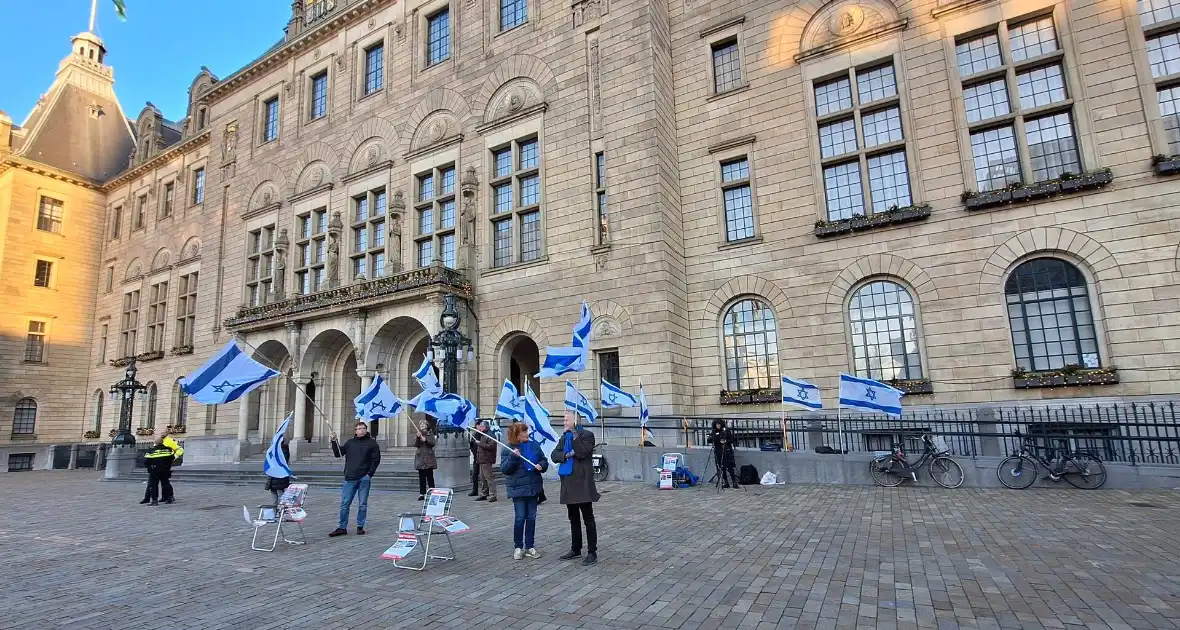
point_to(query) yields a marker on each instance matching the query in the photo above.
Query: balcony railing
(359, 294)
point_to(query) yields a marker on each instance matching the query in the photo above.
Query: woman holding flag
(424, 459)
(578, 493)
(523, 484)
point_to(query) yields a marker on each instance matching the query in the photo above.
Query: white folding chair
(670, 462)
(423, 526)
(289, 510)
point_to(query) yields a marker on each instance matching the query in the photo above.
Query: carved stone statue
(333, 263)
(393, 244)
(281, 245)
(231, 138)
(467, 222)
(469, 184)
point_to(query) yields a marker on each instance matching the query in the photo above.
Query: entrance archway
(269, 404)
(331, 362)
(521, 362)
(395, 352)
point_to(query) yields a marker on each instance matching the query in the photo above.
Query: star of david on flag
(227, 376)
(276, 463)
(801, 393)
(576, 402)
(377, 401)
(870, 395)
(511, 403)
(561, 360)
(537, 417)
(613, 396)
(428, 381)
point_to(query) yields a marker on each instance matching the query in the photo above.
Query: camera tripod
(718, 475)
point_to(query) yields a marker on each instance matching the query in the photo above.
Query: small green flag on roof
(121, 9)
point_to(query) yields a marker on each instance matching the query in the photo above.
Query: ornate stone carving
(846, 21)
(600, 260)
(393, 244)
(606, 327)
(469, 184)
(316, 54)
(134, 270)
(840, 24)
(333, 262)
(399, 31)
(266, 197)
(231, 139)
(437, 126)
(191, 250)
(281, 245)
(317, 177)
(587, 10)
(512, 97)
(514, 101)
(372, 155)
(341, 62)
(595, 71)
(437, 129)
(289, 88)
(163, 258)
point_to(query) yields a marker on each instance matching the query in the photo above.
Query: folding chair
(423, 526)
(289, 510)
(670, 462)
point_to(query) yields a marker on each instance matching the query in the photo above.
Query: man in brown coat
(485, 455)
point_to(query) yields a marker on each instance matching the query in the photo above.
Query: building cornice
(158, 160)
(321, 32)
(33, 166)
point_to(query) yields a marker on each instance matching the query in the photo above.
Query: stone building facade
(959, 197)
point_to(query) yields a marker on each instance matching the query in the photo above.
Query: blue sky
(156, 53)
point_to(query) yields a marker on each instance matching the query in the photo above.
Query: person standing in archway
(362, 456)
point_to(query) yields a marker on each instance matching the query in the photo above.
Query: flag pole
(93, 13)
(264, 360)
(500, 443)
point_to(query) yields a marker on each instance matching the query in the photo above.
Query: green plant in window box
(90, 435)
(145, 431)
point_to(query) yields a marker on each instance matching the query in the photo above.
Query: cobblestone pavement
(80, 553)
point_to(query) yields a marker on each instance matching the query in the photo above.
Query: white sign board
(665, 480)
(402, 548)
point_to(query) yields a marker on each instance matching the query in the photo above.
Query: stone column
(298, 435)
(120, 462)
(243, 419)
(454, 468)
(73, 457)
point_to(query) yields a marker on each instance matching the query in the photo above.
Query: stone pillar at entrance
(297, 431)
(243, 419)
(453, 456)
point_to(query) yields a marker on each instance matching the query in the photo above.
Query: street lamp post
(450, 346)
(126, 390)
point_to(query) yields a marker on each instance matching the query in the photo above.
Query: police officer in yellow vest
(158, 462)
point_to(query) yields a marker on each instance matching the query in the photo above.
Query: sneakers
(517, 554)
(533, 553)
(145, 501)
(338, 532)
(570, 555)
(591, 558)
(360, 531)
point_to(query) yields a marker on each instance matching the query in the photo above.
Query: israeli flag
(560, 360)
(644, 414)
(582, 328)
(870, 395)
(226, 377)
(537, 417)
(377, 402)
(276, 464)
(428, 381)
(613, 397)
(451, 408)
(576, 402)
(510, 405)
(801, 393)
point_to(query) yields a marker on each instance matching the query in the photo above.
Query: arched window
(884, 332)
(1049, 314)
(181, 415)
(24, 420)
(751, 345)
(150, 414)
(98, 410)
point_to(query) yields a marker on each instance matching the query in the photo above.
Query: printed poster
(436, 503)
(402, 548)
(665, 480)
(452, 525)
(669, 462)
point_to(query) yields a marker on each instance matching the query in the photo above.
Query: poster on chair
(400, 549)
(452, 525)
(665, 480)
(669, 462)
(436, 502)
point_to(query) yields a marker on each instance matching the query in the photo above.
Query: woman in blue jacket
(523, 482)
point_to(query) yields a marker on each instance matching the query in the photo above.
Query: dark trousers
(583, 512)
(725, 467)
(158, 486)
(425, 480)
(487, 483)
(474, 479)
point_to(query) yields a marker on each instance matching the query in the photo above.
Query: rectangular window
(727, 66)
(270, 119)
(368, 234)
(435, 208)
(166, 202)
(739, 207)
(117, 222)
(129, 325)
(186, 309)
(260, 265)
(608, 367)
(157, 309)
(49, 215)
(516, 203)
(513, 13)
(438, 39)
(862, 142)
(140, 209)
(602, 219)
(1163, 56)
(319, 95)
(102, 343)
(374, 68)
(35, 342)
(19, 462)
(1020, 69)
(43, 274)
(110, 283)
(198, 186)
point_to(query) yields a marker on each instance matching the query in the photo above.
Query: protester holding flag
(424, 460)
(362, 456)
(578, 493)
(485, 456)
(524, 485)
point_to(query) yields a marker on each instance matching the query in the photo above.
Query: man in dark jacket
(474, 446)
(578, 493)
(722, 439)
(362, 456)
(485, 456)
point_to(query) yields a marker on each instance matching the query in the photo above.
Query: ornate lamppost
(451, 346)
(126, 390)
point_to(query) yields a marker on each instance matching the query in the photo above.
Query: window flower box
(1038, 190)
(989, 199)
(177, 429)
(120, 362)
(90, 435)
(739, 397)
(860, 222)
(145, 431)
(112, 433)
(1166, 164)
(912, 386)
(1087, 181)
(154, 355)
(1065, 377)
(751, 396)
(181, 350)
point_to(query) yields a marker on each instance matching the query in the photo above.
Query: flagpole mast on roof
(93, 13)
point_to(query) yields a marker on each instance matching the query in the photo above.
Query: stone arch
(494, 342)
(162, 259)
(392, 339)
(516, 66)
(611, 320)
(323, 348)
(134, 269)
(268, 175)
(191, 249)
(749, 285)
(880, 265)
(316, 160)
(1046, 240)
(437, 101)
(371, 144)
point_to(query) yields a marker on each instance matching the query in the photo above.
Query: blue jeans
(350, 489)
(525, 525)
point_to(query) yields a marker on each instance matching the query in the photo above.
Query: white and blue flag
(582, 328)
(377, 402)
(576, 402)
(612, 396)
(561, 360)
(451, 408)
(511, 404)
(428, 380)
(276, 463)
(226, 377)
(537, 417)
(870, 395)
(801, 393)
(644, 414)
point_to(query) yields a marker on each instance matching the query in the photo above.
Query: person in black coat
(472, 444)
(362, 456)
(578, 493)
(722, 438)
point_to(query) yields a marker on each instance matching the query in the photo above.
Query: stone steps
(401, 479)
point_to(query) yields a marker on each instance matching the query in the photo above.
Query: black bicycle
(598, 461)
(892, 469)
(1081, 470)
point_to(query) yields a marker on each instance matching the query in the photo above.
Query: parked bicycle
(598, 460)
(1081, 470)
(892, 469)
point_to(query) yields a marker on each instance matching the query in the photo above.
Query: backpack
(748, 475)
